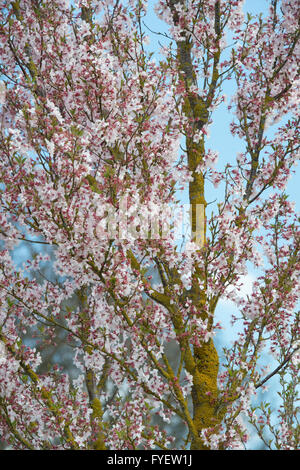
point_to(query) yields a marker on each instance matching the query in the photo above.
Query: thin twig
(275, 371)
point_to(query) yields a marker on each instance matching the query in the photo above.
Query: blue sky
(221, 140)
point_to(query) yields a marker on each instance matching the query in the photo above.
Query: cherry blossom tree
(98, 135)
